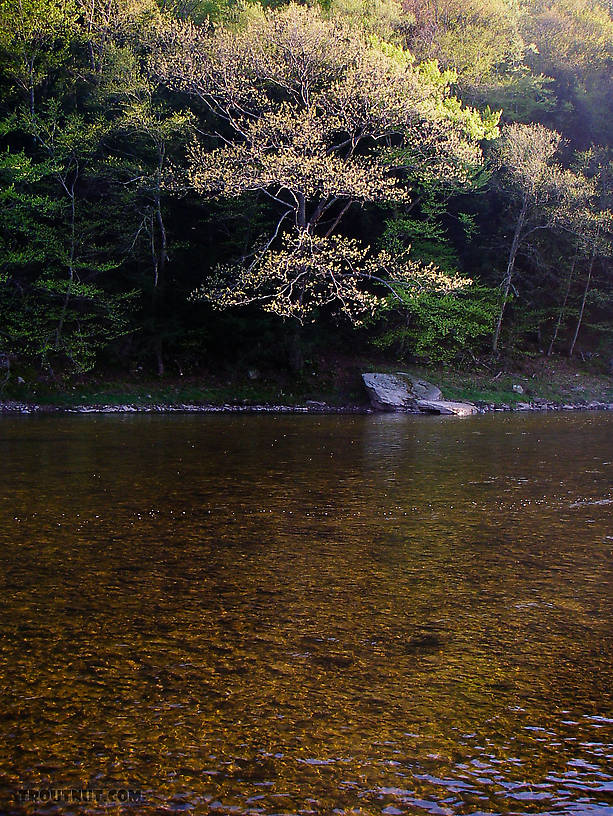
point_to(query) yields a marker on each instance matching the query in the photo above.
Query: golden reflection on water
(309, 615)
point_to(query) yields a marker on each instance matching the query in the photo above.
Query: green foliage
(52, 248)
(30, 330)
(27, 234)
(344, 139)
(425, 239)
(436, 328)
(35, 44)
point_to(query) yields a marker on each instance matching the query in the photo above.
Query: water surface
(309, 615)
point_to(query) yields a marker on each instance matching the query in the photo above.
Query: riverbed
(267, 614)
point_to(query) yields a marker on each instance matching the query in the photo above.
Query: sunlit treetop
(315, 116)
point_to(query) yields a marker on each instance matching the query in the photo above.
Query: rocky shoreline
(14, 407)
(544, 406)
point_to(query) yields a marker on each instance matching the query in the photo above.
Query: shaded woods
(212, 183)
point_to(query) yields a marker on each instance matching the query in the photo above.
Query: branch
(261, 254)
(338, 218)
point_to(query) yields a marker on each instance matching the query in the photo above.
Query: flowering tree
(316, 118)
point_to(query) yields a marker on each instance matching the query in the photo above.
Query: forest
(212, 183)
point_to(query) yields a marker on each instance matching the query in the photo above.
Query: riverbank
(334, 387)
(11, 407)
(29, 408)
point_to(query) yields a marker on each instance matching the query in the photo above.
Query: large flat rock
(404, 393)
(388, 392)
(446, 407)
(421, 389)
(399, 391)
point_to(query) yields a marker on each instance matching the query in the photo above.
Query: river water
(308, 615)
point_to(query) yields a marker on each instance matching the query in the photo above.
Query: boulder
(402, 392)
(398, 392)
(421, 389)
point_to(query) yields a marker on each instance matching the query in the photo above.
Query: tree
(593, 225)
(35, 38)
(152, 130)
(572, 42)
(474, 37)
(315, 118)
(45, 315)
(569, 35)
(114, 33)
(541, 192)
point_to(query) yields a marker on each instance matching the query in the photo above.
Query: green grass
(336, 383)
(557, 386)
(156, 393)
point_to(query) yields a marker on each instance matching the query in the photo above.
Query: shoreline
(13, 407)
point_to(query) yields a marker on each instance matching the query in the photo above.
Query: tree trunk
(31, 75)
(159, 356)
(582, 309)
(521, 219)
(71, 259)
(295, 356)
(159, 253)
(563, 305)
(301, 221)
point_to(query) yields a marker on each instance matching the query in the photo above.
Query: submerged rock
(425, 642)
(331, 662)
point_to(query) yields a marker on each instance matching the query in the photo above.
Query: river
(308, 614)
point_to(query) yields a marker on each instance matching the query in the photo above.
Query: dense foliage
(190, 183)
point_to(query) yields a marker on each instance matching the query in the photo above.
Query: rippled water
(309, 615)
